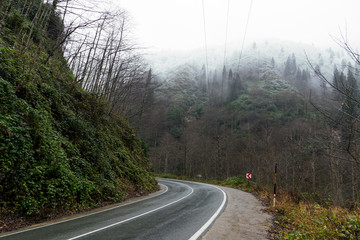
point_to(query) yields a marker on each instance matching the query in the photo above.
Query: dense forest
(278, 105)
(76, 92)
(63, 145)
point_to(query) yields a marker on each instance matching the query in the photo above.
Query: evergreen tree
(290, 66)
(223, 81)
(224, 74)
(337, 84)
(293, 64)
(273, 62)
(352, 84)
(342, 82)
(323, 84)
(336, 79)
(230, 78)
(298, 75)
(349, 106)
(203, 83)
(287, 69)
(301, 79)
(235, 88)
(304, 76)
(231, 91)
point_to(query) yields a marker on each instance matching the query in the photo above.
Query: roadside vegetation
(61, 148)
(296, 215)
(75, 94)
(308, 219)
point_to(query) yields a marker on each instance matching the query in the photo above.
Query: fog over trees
(292, 104)
(287, 103)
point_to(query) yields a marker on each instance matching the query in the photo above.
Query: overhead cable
(246, 27)
(226, 31)
(206, 50)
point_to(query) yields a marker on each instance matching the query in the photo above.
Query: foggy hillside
(224, 118)
(253, 55)
(93, 107)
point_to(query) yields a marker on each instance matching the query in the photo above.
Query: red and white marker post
(275, 185)
(248, 177)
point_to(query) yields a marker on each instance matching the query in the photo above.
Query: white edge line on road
(216, 214)
(212, 219)
(71, 219)
(129, 219)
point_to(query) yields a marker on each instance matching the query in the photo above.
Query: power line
(226, 32)
(206, 50)
(246, 27)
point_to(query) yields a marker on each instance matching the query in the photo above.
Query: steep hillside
(276, 105)
(235, 121)
(60, 149)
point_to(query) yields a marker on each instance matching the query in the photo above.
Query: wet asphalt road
(184, 210)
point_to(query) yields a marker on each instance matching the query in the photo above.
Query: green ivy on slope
(59, 149)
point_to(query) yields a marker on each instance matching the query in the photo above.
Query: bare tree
(342, 114)
(6, 11)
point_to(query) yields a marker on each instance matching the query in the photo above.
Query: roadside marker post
(275, 185)
(248, 177)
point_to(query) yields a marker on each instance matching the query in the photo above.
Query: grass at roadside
(296, 216)
(303, 219)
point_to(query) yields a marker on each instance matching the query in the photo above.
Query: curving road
(184, 210)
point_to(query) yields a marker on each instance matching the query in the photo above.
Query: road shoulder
(243, 218)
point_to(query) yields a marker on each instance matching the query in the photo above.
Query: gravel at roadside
(243, 218)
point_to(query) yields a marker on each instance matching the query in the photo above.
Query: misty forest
(277, 104)
(273, 106)
(86, 116)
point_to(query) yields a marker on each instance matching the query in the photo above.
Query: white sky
(178, 24)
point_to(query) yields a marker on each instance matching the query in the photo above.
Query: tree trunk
(353, 183)
(313, 174)
(6, 14)
(34, 22)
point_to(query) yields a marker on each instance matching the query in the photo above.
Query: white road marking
(129, 219)
(212, 219)
(126, 204)
(194, 237)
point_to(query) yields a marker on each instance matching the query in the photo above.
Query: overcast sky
(178, 24)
